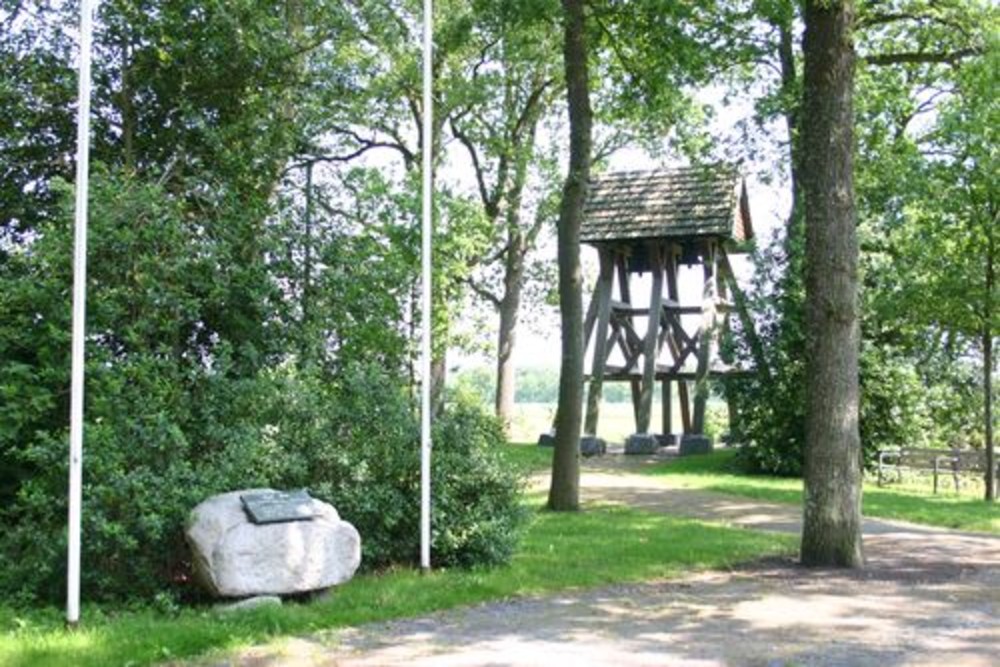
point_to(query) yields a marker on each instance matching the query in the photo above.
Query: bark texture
(564, 492)
(991, 464)
(831, 533)
(510, 307)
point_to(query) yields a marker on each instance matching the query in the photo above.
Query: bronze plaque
(278, 506)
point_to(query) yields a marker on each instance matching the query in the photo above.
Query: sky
(538, 345)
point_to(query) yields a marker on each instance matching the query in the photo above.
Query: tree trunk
(439, 379)
(991, 466)
(831, 533)
(510, 305)
(564, 493)
(789, 91)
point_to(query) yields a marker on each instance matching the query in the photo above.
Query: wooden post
(591, 318)
(743, 312)
(683, 398)
(665, 404)
(636, 399)
(603, 289)
(652, 331)
(706, 334)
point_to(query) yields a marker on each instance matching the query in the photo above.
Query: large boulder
(234, 557)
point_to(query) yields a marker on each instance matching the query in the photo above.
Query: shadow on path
(927, 597)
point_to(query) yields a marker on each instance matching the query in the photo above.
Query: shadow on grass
(718, 472)
(603, 545)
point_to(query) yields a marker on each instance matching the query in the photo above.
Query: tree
(946, 251)
(498, 129)
(831, 533)
(564, 492)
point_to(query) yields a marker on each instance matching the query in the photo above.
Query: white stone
(236, 558)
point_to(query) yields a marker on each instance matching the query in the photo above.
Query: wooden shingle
(680, 203)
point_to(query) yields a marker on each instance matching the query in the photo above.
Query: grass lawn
(716, 472)
(603, 545)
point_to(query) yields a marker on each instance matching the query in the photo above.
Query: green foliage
(183, 402)
(610, 545)
(894, 405)
(360, 451)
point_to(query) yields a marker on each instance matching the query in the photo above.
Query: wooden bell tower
(655, 222)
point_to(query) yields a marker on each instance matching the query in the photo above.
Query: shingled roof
(667, 203)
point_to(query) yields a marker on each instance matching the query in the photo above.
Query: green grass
(528, 457)
(603, 545)
(715, 472)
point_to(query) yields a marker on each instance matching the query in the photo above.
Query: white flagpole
(79, 318)
(427, 229)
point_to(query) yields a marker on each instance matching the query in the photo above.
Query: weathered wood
(669, 305)
(590, 319)
(664, 372)
(684, 398)
(665, 404)
(603, 291)
(636, 395)
(649, 348)
(621, 268)
(707, 333)
(675, 203)
(756, 348)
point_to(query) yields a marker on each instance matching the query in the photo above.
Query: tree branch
(489, 202)
(482, 292)
(912, 57)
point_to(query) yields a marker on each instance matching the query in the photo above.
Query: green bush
(191, 391)
(353, 442)
(363, 456)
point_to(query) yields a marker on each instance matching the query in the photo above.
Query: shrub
(188, 395)
(364, 458)
(353, 442)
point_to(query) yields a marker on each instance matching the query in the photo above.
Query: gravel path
(928, 597)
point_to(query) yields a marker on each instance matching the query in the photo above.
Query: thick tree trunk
(991, 465)
(564, 493)
(510, 306)
(831, 533)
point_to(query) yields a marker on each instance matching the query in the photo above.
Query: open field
(616, 421)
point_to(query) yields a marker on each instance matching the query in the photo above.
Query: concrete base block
(641, 443)
(667, 439)
(547, 440)
(591, 445)
(692, 443)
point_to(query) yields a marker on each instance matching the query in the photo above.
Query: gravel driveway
(928, 597)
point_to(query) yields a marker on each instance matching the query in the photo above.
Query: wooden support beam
(649, 347)
(603, 291)
(756, 348)
(706, 334)
(636, 396)
(590, 319)
(623, 287)
(665, 404)
(684, 398)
